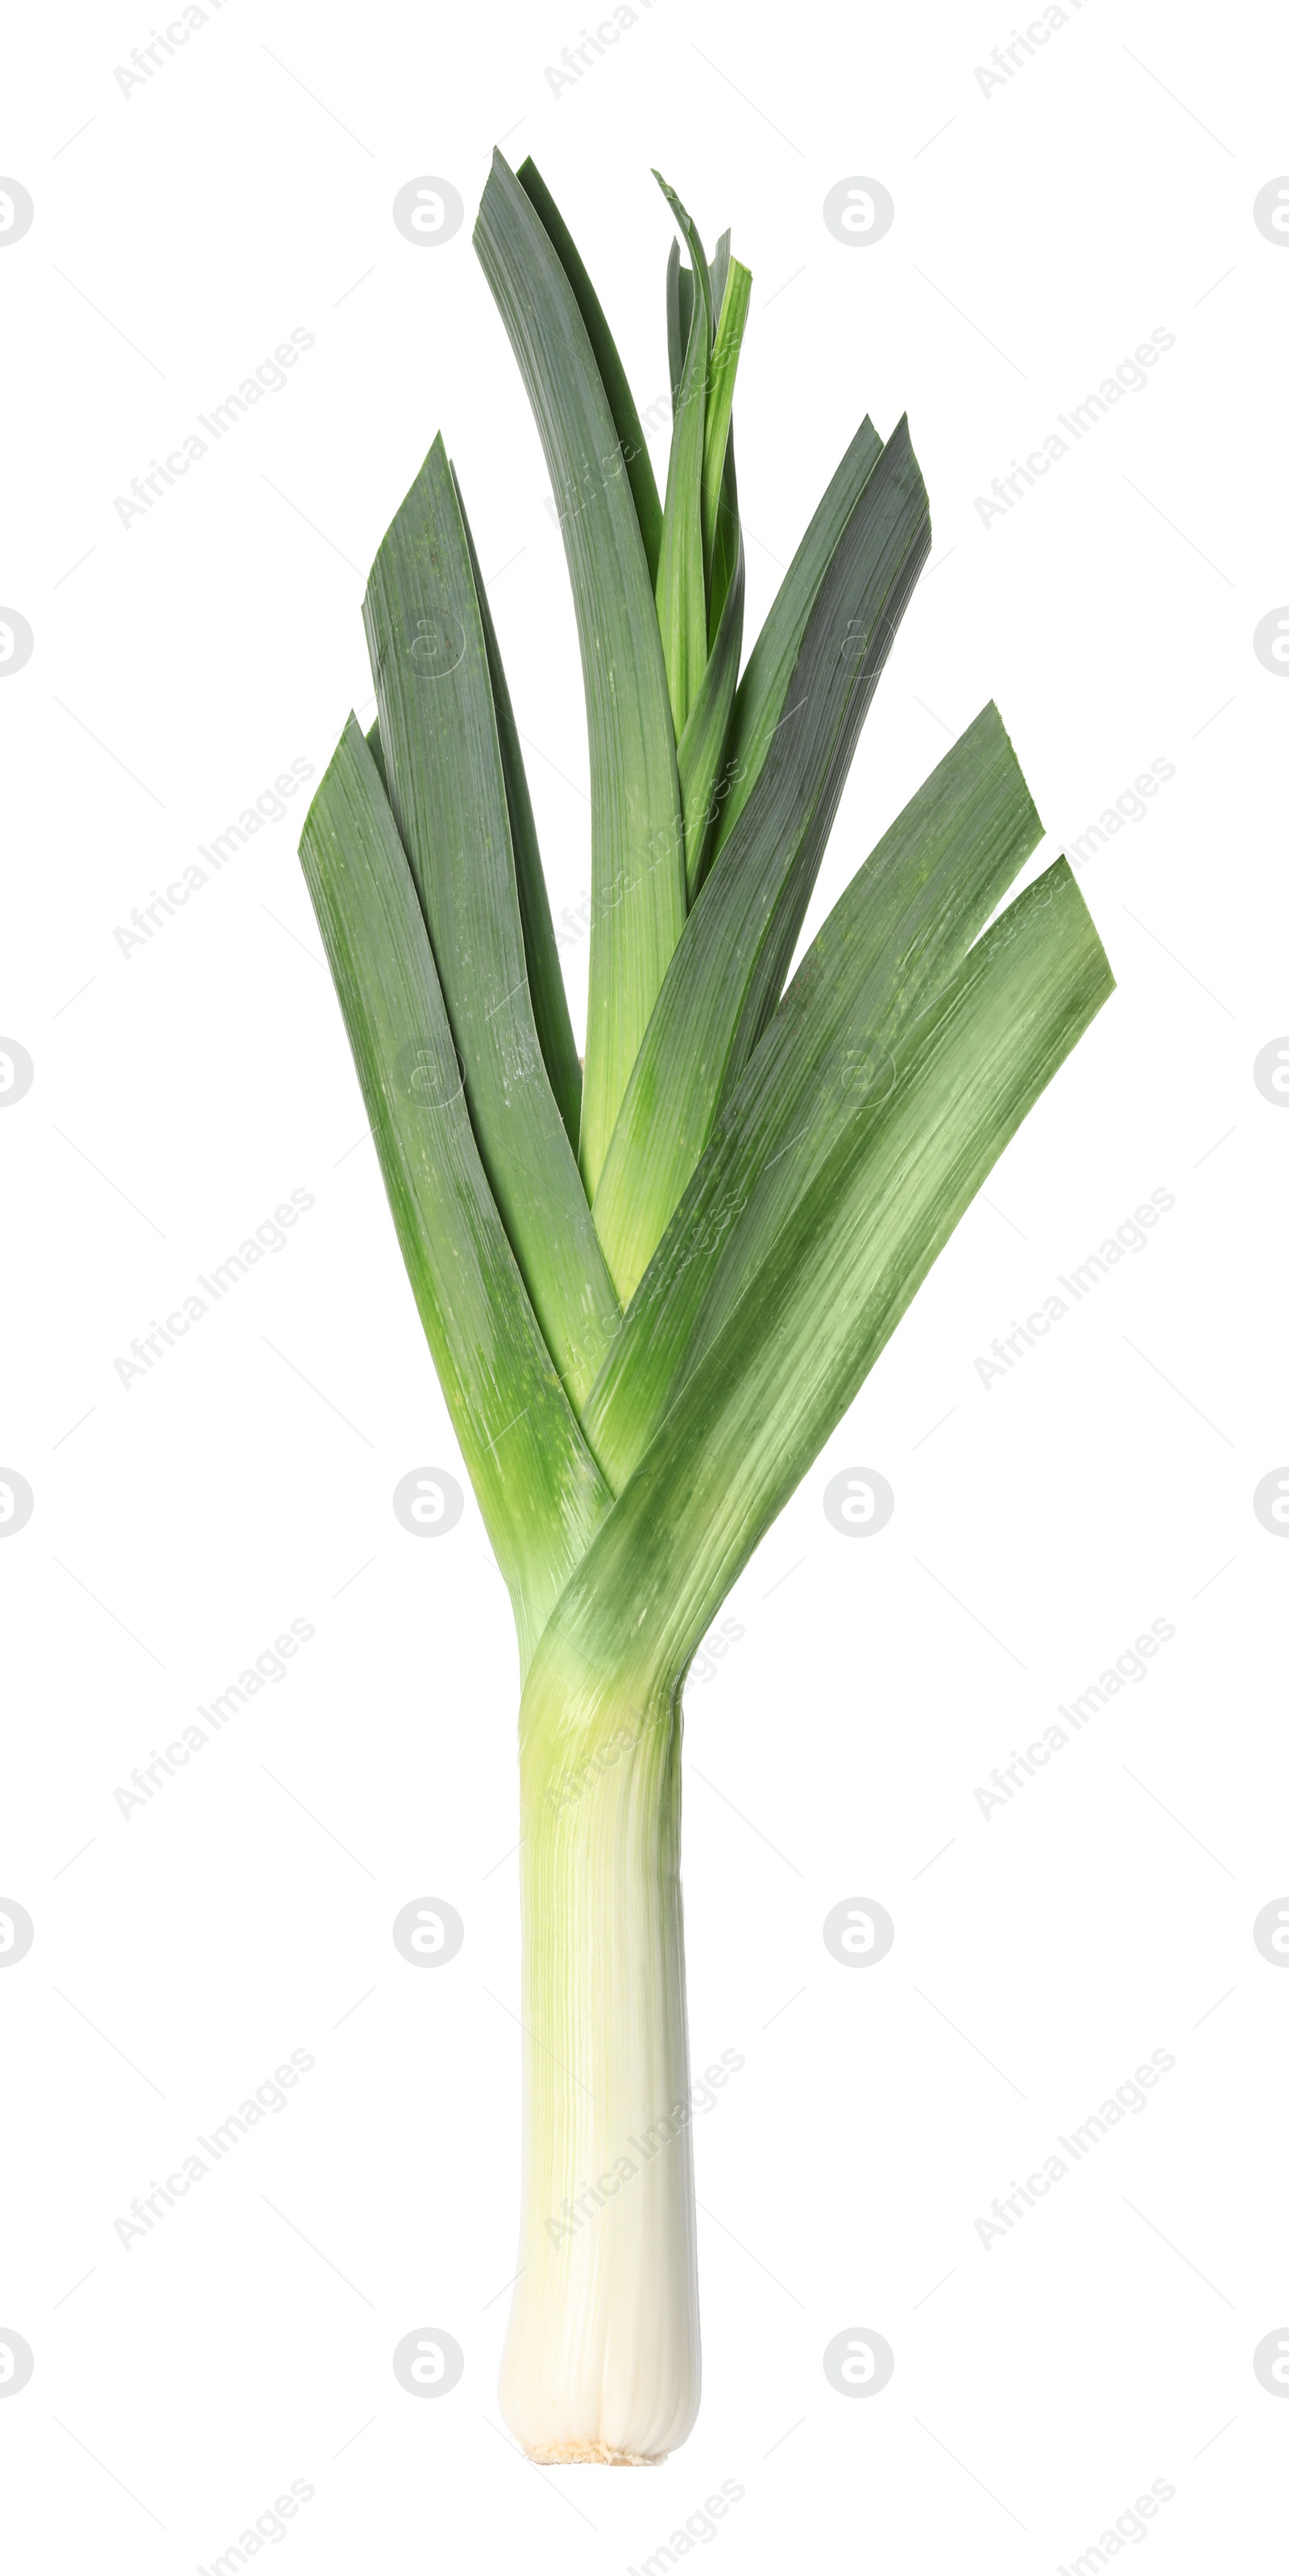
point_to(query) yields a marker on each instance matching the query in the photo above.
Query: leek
(652, 1288)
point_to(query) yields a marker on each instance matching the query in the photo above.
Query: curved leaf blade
(762, 691)
(539, 1489)
(613, 375)
(790, 1358)
(701, 750)
(729, 966)
(736, 295)
(637, 839)
(541, 955)
(439, 735)
(900, 930)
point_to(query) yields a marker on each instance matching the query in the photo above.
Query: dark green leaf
(791, 1356)
(637, 840)
(541, 956)
(613, 375)
(438, 730)
(539, 1489)
(763, 688)
(728, 970)
(900, 930)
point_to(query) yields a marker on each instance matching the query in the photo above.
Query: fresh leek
(653, 1286)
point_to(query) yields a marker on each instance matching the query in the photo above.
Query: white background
(1042, 230)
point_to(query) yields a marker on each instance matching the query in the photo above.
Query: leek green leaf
(637, 833)
(439, 734)
(701, 749)
(613, 375)
(538, 1487)
(681, 587)
(680, 309)
(900, 930)
(728, 969)
(764, 685)
(541, 956)
(373, 745)
(791, 1356)
(727, 544)
(722, 368)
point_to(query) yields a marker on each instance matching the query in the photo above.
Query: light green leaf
(726, 975)
(722, 369)
(438, 730)
(680, 312)
(727, 546)
(681, 586)
(637, 833)
(539, 1489)
(702, 745)
(900, 930)
(791, 1356)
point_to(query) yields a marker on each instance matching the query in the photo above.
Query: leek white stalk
(652, 1290)
(602, 2355)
